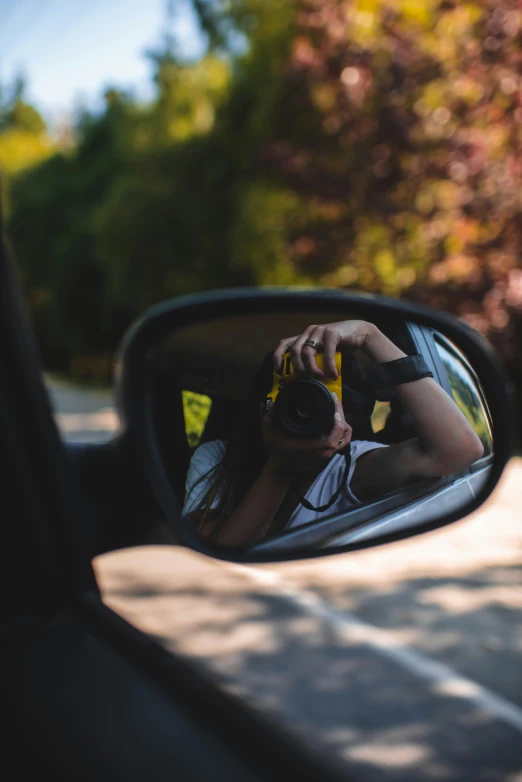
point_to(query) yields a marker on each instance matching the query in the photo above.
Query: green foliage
(260, 240)
(399, 134)
(150, 202)
(24, 117)
(21, 149)
(348, 143)
(23, 139)
(196, 409)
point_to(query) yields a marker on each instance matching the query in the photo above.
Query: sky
(69, 50)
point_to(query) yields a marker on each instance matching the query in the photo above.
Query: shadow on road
(320, 680)
(470, 623)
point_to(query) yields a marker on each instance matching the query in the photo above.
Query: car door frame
(69, 660)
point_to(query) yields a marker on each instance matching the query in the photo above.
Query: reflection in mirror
(315, 430)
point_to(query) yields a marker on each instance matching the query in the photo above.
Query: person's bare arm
(445, 444)
(250, 521)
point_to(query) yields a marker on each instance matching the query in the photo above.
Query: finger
(339, 440)
(339, 410)
(308, 353)
(336, 437)
(345, 438)
(331, 340)
(340, 428)
(297, 349)
(281, 349)
(267, 418)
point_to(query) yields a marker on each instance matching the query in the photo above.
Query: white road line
(447, 681)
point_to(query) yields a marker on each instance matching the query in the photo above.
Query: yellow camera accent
(287, 374)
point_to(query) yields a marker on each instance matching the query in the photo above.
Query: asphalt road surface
(83, 415)
(399, 663)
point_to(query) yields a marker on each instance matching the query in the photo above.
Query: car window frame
(360, 517)
(432, 335)
(463, 484)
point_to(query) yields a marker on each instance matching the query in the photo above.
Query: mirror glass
(269, 460)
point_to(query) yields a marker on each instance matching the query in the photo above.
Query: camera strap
(335, 496)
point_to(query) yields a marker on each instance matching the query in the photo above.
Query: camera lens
(304, 408)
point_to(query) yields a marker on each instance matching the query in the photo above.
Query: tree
(395, 152)
(23, 138)
(347, 143)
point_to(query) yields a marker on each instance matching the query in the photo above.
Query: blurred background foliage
(196, 409)
(358, 144)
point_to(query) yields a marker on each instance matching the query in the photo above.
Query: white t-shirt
(319, 493)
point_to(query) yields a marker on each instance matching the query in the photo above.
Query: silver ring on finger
(312, 343)
(341, 441)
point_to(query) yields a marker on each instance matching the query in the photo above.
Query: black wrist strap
(384, 377)
(347, 453)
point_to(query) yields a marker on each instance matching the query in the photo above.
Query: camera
(304, 406)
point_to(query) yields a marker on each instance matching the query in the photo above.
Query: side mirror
(188, 381)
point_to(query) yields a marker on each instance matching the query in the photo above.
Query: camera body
(304, 406)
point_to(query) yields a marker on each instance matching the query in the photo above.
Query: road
(83, 415)
(401, 662)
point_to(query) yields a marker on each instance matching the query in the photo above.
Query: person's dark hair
(244, 458)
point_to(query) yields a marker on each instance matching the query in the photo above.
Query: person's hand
(329, 337)
(291, 456)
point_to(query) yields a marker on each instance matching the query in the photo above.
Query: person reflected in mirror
(259, 483)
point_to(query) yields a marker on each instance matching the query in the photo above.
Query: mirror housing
(135, 399)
